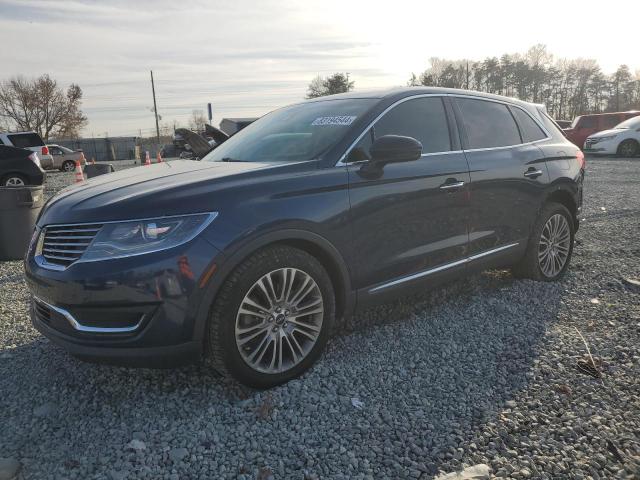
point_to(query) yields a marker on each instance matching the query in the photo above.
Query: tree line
(568, 87)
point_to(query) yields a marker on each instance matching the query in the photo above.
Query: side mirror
(394, 149)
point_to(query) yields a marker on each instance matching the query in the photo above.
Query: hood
(169, 188)
(605, 133)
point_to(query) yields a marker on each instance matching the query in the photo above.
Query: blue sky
(249, 57)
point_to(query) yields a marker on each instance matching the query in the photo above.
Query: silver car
(64, 158)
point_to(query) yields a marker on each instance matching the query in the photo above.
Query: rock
(510, 403)
(633, 283)
(9, 468)
(46, 410)
(136, 445)
(177, 454)
(477, 472)
(357, 403)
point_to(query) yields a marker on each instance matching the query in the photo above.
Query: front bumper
(139, 311)
(601, 148)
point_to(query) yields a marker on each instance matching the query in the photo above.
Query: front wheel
(550, 245)
(628, 148)
(272, 317)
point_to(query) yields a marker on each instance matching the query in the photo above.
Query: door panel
(403, 221)
(504, 202)
(508, 177)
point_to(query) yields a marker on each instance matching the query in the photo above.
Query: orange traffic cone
(147, 159)
(159, 157)
(79, 175)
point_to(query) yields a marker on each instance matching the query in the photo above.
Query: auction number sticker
(335, 120)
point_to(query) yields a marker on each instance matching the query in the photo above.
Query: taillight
(581, 160)
(45, 150)
(35, 159)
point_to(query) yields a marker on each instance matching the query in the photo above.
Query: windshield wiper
(229, 159)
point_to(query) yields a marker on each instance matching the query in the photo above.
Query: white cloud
(248, 57)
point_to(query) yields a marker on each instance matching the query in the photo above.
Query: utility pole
(467, 77)
(155, 108)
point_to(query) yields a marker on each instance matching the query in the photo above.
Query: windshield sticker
(336, 120)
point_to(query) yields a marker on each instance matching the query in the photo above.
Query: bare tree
(41, 105)
(197, 120)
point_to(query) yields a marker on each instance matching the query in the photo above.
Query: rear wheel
(550, 245)
(628, 148)
(272, 317)
(14, 180)
(68, 166)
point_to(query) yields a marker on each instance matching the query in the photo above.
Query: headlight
(136, 237)
(601, 139)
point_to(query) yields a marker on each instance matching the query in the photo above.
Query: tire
(236, 339)
(628, 148)
(68, 166)
(535, 264)
(14, 180)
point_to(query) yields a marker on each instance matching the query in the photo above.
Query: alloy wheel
(628, 149)
(554, 245)
(69, 166)
(279, 320)
(14, 182)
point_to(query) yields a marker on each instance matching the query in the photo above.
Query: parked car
(622, 140)
(19, 167)
(31, 141)
(564, 123)
(586, 125)
(309, 213)
(65, 159)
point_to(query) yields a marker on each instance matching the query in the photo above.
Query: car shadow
(398, 390)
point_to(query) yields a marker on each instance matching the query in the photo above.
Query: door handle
(451, 184)
(533, 173)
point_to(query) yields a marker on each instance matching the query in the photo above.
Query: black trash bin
(95, 169)
(19, 209)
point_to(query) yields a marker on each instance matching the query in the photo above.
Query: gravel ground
(483, 371)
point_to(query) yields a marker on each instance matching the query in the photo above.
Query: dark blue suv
(249, 256)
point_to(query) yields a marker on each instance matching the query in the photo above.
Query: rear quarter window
(26, 140)
(529, 129)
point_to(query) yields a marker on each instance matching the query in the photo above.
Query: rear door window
(488, 124)
(26, 140)
(529, 129)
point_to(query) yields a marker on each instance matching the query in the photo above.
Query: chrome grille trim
(62, 245)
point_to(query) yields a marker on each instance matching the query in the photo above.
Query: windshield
(630, 123)
(575, 122)
(293, 134)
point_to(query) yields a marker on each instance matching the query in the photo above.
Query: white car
(29, 141)
(622, 140)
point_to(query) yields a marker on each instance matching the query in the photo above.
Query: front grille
(64, 244)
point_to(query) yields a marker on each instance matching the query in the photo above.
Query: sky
(248, 57)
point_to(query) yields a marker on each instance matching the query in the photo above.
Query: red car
(586, 125)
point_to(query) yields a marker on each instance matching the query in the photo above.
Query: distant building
(233, 125)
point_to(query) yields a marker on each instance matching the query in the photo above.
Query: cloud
(250, 56)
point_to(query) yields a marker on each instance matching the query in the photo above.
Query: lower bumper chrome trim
(84, 328)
